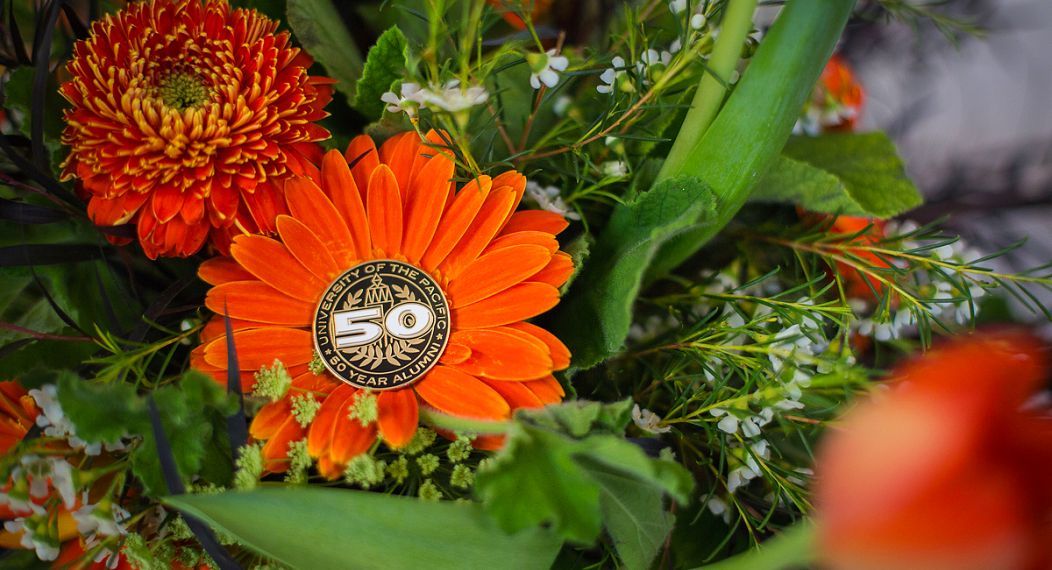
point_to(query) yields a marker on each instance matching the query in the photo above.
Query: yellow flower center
(182, 90)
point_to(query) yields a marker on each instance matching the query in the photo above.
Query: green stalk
(734, 152)
(793, 548)
(734, 29)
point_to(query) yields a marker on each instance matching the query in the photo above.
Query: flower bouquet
(490, 284)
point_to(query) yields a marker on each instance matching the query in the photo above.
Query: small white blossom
(408, 101)
(45, 546)
(740, 477)
(550, 198)
(545, 68)
(718, 507)
(453, 98)
(614, 168)
(677, 6)
(698, 21)
(648, 421)
(610, 76)
(561, 105)
(102, 521)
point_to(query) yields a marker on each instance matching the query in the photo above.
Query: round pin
(381, 325)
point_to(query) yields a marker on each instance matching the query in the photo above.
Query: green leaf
(191, 410)
(547, 471)
(607, 286)
(795, 547)
(384, 66)
(745, 138)
(852, 174)
(320, 30)
(306, 527)
(635, 515)
(101, 413)
(18, 96)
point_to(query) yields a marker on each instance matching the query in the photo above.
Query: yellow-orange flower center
(182, 90)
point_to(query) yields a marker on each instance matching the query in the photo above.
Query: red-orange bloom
(860, 272)
(841, 93)
(18, 412)
(496, 267)
(949, 469)
(184, 116)
(510, 10)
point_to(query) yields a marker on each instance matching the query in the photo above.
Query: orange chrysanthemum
(496, 268)
(184, 116)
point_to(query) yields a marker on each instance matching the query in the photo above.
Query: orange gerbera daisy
(387, 277)
(841, 94)
(184, 115)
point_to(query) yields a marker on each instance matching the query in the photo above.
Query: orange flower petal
(362, 154)
(433, 145)
(257, 301)
(269, 419)
(276, 450)
(307, 248)
(338, 182)
(537, 221)
(515, 394)
(312, 207)
(219, 270)
(547, 389)
(517, 303)
(398, 416)
(272, 262)
(496, 271)
(385, 212)
(517, 182)
(350, 439)
(456, 393)
(260, 347)
(455, 353)
(560, 354)
(424, 205)
(557, 272)
(501, 354)
(321, 429)
(542, 239)
(398, 153)
(457, 219)
(480, 233)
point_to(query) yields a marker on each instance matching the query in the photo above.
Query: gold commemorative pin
(381, 325)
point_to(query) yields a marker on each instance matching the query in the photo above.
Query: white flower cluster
(549, 198)
(98, 522)
(33, 480)
(55, 424)
(948, 304)
(648, 421)
(451, 98)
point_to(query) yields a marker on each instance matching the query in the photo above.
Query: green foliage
(191, 410)
(753, 125)
(384, 66)
(609, 282)
(319, 28)
(569, 466)
(18, 96)
(310, 527)
(851, 174)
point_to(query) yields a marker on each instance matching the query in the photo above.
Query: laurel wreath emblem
(393, 351)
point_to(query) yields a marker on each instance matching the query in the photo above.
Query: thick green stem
(734, 29)
(793, 548)
(750, 130)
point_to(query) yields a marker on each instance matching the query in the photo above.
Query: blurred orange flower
(841, 94)
(184, 115)
(510, 10)
(949, 469)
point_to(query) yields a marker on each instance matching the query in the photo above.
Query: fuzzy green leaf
(101, 413)
(607, 286)
(319, 28)
(635, 516)
(191, 410)
(309, 527)
(384, 65)
(546, 472)
(852, 174)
